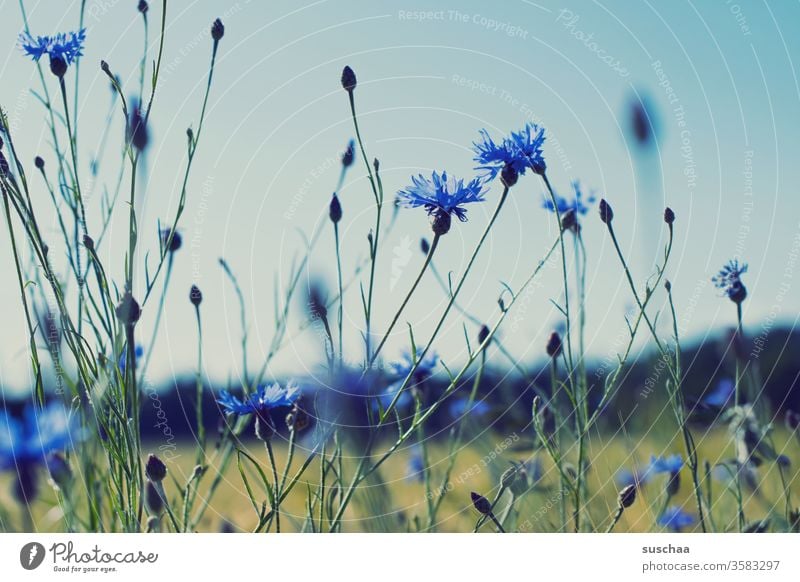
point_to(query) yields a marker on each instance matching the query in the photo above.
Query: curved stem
(361, 474)
(201, 430)
(373, 250)
(159, 313)
(341, 298)
(564, 275)
(450, 303)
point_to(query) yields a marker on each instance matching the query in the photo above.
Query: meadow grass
(396, 502)
(313, 471)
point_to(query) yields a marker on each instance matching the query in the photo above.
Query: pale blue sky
(278, 119)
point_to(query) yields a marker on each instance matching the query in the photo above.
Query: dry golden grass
(393, 502)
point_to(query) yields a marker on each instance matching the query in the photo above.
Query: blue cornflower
(721, 395)
(520, 151)
(458, 408)
(637, 478)
(672, 464)
(675, 518)
(441, 196)
(65, 46)
(31, 441)
(264, 399)
(400, 370)
(577, 203)
(138, 352)
(28, 441)
(729, 281)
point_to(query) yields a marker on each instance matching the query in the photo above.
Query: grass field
(395, 502)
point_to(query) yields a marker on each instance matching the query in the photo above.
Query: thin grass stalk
(361, 473)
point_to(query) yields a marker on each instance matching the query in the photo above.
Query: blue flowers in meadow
(671, 464)
(351, 392)
(520, 150)
(676, 518)
(65, 46)
(721, 395)
(262, 401)
(138, 353)
(29, 440)
(729, 280)
(658, 465)
(577, 203)
(460, 407)
(400, 370)
(441, 194)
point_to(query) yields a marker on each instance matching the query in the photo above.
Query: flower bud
(509, 175)
(483, 334)
(349, 154)
(737, 292)
(195, 296)
(128, 310)
(155, 469)
(480, 503)
(569, 220)
(217, 30)
(606, 213)
(143, 7)
(58, 66)
(627, 496)
(38, 162)
(669, 215)
(440, 222)
(554, 345)
(348, 79)
(88, 242)
(138, 135)
(174, 244)
(424, 246)
(335, 209)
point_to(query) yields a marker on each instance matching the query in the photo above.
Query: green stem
(201, 430)
(276, 493)
(341, 295)
(407, 298)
